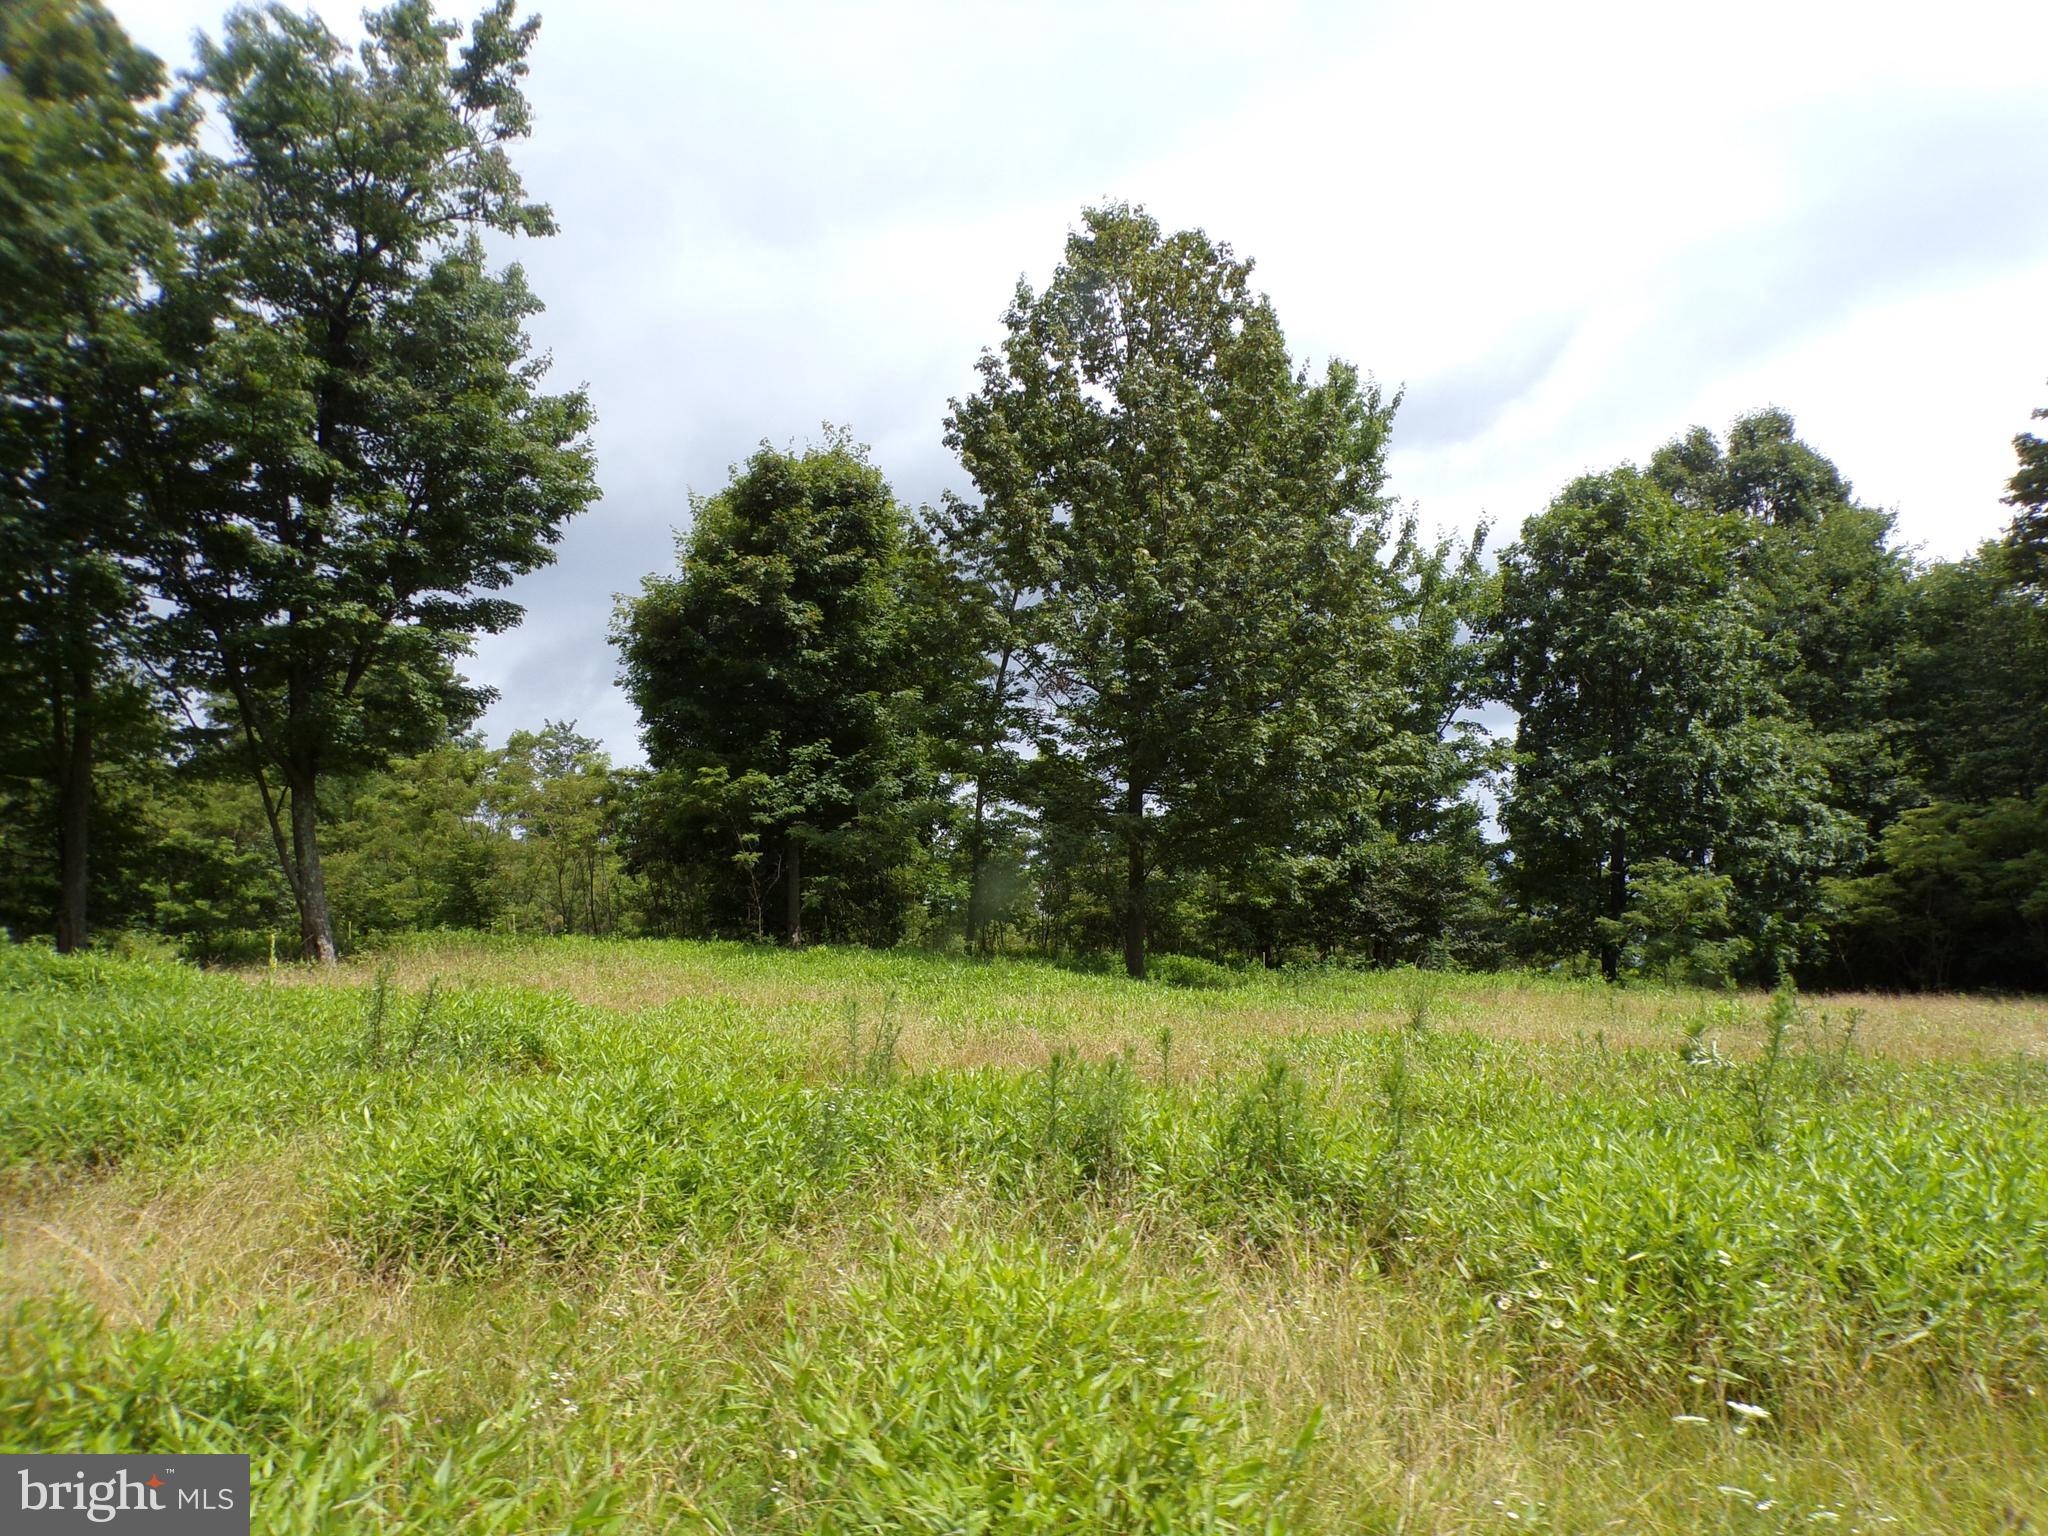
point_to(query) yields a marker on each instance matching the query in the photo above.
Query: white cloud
(1571, 231)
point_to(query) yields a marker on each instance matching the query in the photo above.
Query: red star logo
(155, 1481)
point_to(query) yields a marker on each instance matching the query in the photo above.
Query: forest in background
(1178, 682)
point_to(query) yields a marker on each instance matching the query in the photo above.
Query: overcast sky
(1567, 233)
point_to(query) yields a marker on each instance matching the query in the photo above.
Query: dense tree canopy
(1650, 730)
(1831, 591)
(1181, 679)
(1191, 520)
(362, 448)
(779, 681)
(1959, 892)
(2028, 494)
(89, 218)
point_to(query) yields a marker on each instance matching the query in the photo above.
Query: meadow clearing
(494, 1236)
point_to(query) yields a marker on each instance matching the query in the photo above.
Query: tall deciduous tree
(412, 846)
(1392, 863)
(365, 447)
(777, 679)
(1415, 865)
(1830, 591)
(1633, 653)
(1975, 704)
(88, 218)
(1959, 891)
(1185, 514)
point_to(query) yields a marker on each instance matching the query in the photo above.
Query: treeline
(517, 839)
(1177, 679)
(271, 431)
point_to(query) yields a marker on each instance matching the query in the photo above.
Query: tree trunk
(976, 857)
(991, 738)
(1134, 885)
(74, 817)
(793, 874)
(1617, 902)
(316, 921)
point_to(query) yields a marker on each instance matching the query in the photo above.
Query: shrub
(114, 1057)
(111, 1057)
(1640, 1249)
(1191, 973)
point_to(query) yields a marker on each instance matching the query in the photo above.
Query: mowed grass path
(551, 1235)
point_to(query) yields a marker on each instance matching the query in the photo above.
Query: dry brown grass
(130, 1242)
(1011, 1014)
(1430, 1430)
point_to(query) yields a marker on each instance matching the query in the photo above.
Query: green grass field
(566, 1235)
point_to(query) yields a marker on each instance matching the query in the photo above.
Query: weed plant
(1004, 1386)
(337, 1438)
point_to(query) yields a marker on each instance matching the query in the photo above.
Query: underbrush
(661, 1151)
(1652, 1258)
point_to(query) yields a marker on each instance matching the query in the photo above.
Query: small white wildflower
(1748, 1410)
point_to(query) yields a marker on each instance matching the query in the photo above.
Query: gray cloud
(1891, 199)
(1461, 404)
(1567, 234)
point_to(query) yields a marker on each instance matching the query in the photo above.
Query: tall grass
(1750, 1210)
(995, 1386)
(338, 1439)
